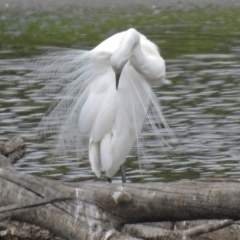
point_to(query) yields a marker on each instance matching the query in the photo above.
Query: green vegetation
(186, 31)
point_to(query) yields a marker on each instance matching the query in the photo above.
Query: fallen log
(100, 210)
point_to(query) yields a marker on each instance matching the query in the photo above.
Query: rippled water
(202, 107)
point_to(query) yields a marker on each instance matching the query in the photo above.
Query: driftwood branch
(13, 149)
(114, 211)
(13, 230)
(150, 232)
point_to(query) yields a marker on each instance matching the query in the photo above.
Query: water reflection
(202, 106)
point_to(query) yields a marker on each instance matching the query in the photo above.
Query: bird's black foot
(123, 173)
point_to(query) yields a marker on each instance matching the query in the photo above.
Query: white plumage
(88, 106)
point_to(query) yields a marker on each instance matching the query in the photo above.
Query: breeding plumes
(102, 97)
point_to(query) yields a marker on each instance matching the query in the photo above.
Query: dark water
(202, 105)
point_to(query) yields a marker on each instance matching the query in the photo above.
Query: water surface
(201, 47)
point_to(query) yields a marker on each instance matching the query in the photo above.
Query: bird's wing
(132, 100)
(97, 117)
(100, 97)
(66, 77)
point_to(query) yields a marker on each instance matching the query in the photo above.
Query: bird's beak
(117, 79)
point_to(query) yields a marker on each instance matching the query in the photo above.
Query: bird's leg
(123, 173)
(109, 180)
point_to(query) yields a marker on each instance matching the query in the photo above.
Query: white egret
(102, 96)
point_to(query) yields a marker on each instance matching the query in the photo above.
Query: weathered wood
(100, 210)
(13, 149)
(150, 232)
(13, 230)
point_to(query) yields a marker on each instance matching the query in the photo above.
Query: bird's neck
(120, 57)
